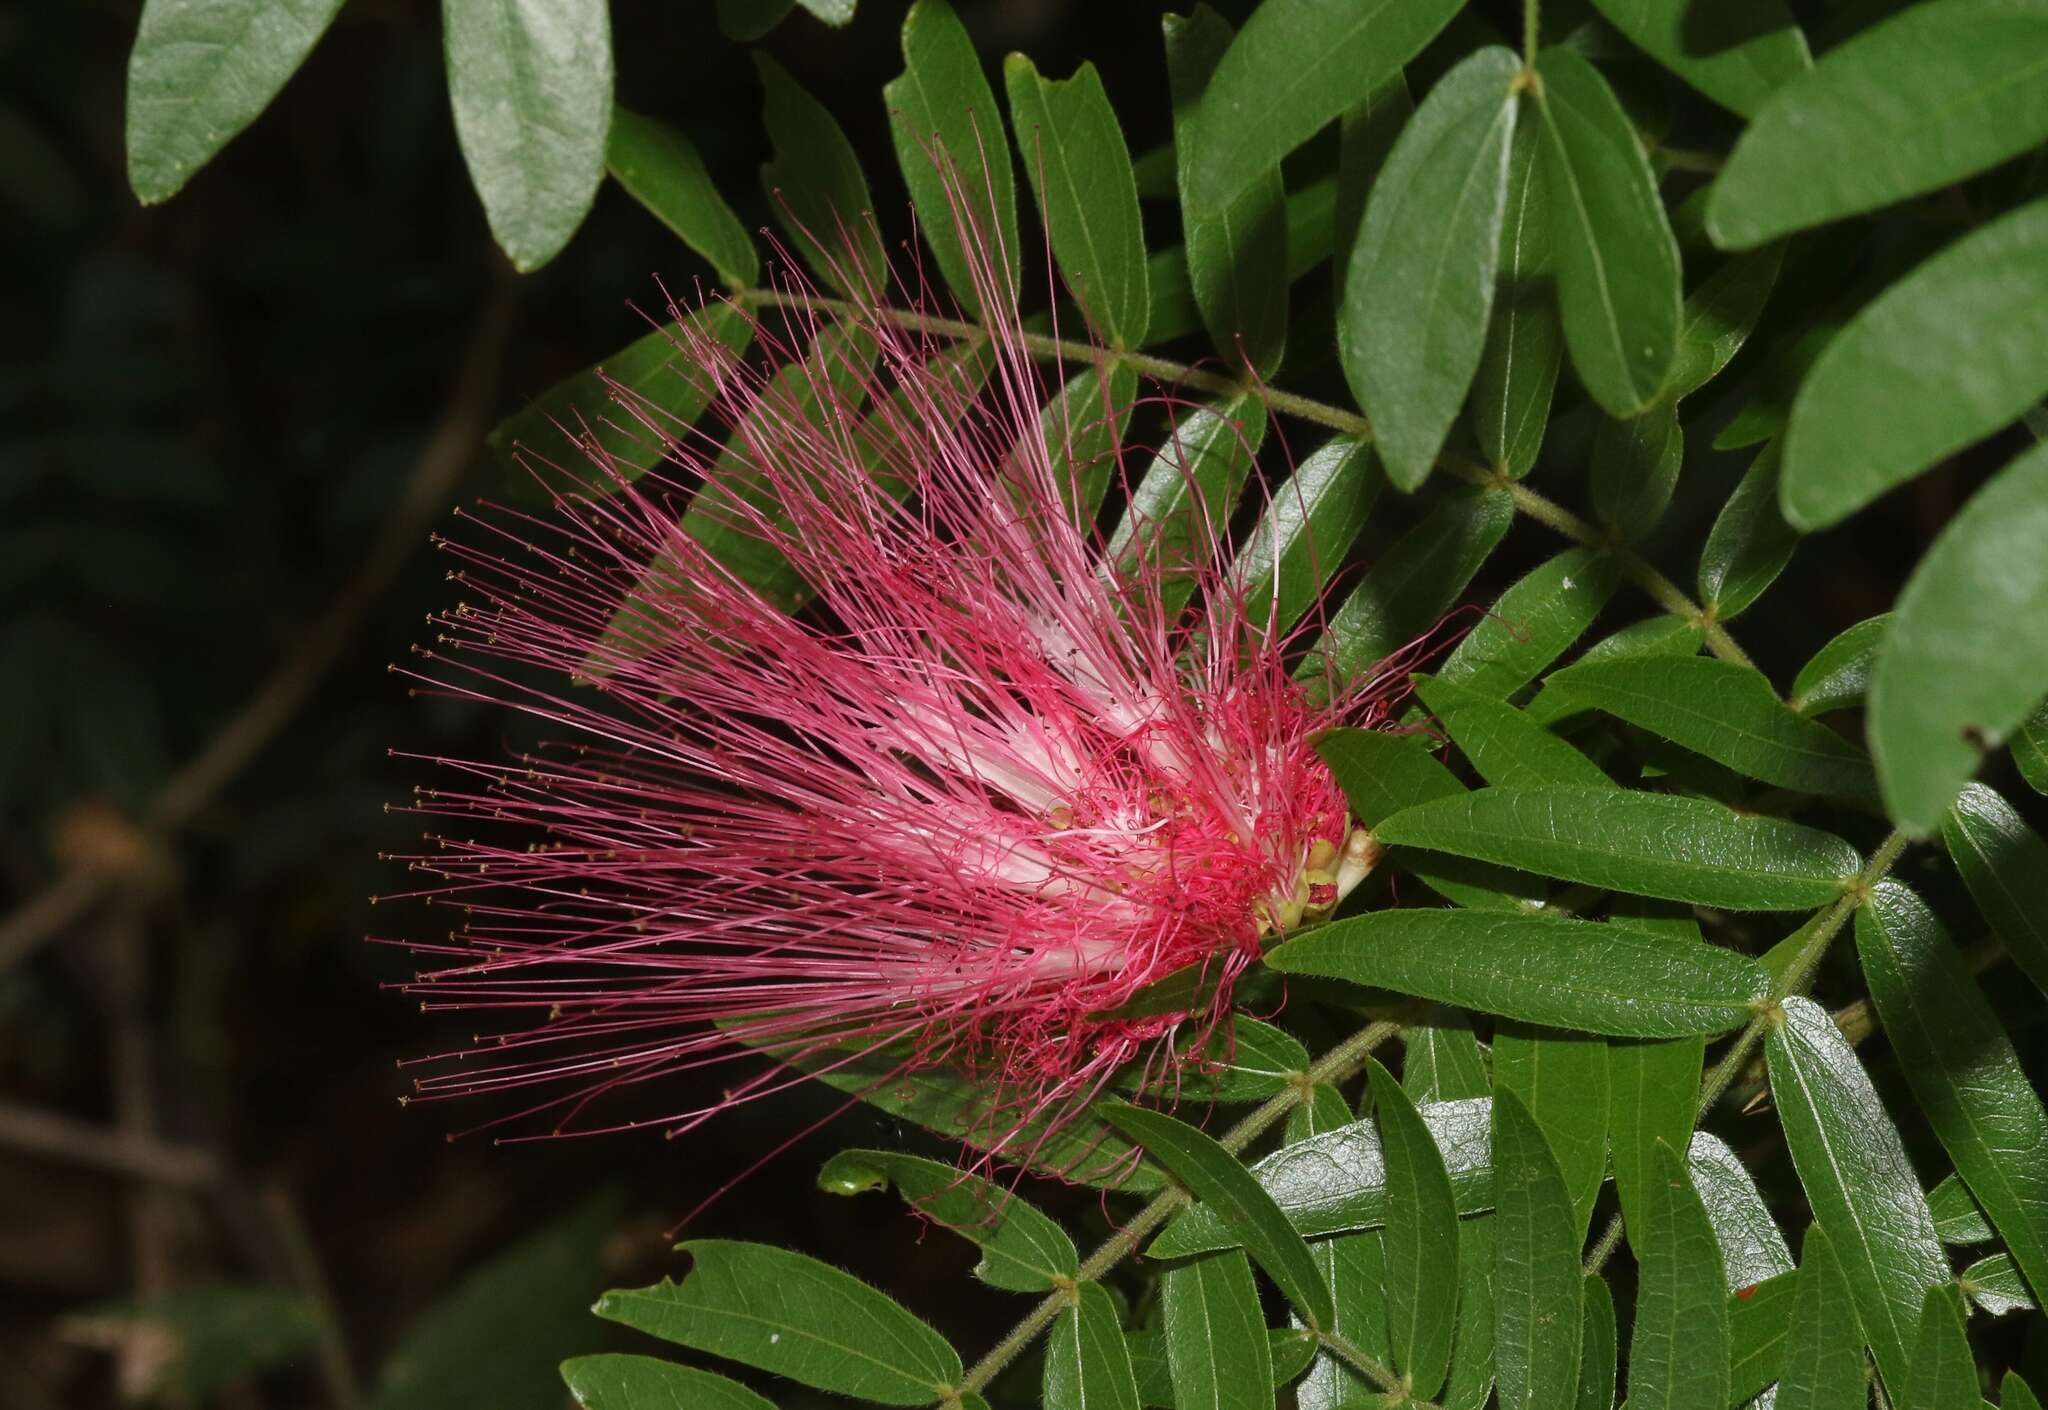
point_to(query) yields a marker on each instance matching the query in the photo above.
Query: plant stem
(1333, 1066)
(1797, 975)
(1544, 510)
(1532, 30)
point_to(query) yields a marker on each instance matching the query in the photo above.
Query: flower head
(989, 784)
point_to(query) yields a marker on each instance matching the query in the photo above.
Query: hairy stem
(1333, 1066)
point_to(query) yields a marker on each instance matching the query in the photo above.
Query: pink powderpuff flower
(988, 785)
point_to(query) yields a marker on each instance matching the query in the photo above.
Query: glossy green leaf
(1942, 358)
(1382, 774)
(1355, 1266)
(1653, 636)
(1310, 523)
(1645, 844)
(660, 168)
(1563, 1080)
(1296, 65)
(1736, 55)
(1226, 1187)
(1178, 518)
(1598, 1347)
(1538, 1291)
(1678, 1354)
(1419, 288)
(1966, 656)
(532, 92)
(2015, 1394)
(620, 1382)
(1944, 1374)
(1216, 1343)
(1244, 1060)
(201, 72)
(1470, 1386)
(1421, 1239)
(1411, 585)
(2005, 865)
(1618, 277)
(496, 1339)
(1533, 623)
(1524, 350)
(1752, 1249)
(1823, 1367)
(1839, 673)
(1757, 1315)
(1655, 1086)
(1237, 253)
(1505, 745)
(1083, 427)
(656, 377)
(1440, 1059)
(1857, 131)
(1750, 543)
(1080, 169)
(1728, 713)
(1957, 1219)
(1174, 314)
(1021, 1249)
(1335, 1182)
(1857, 1179)
(1719, 316)
(815, 186)
(1961, 1067)
(1994, 1285)
(789, 1314)
(1290, 1350)
(748, 20)
(1326, 1109)
(1543, 969)
(1087, 1364)
(2030, 748)
(1635, 469)
(942, 100)
(1366, 134)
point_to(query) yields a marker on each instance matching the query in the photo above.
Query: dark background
(208, 413)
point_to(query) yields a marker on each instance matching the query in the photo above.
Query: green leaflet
(2005, 865)
(1635, 469)
(619, 1382)
(1618, 276)
(1838, 140)
(1533, 623)
(1757, 1316)
(532, 96)
(1021, 1249)
(1945, 356)
(1598, 1348)
(1440, 1059)
(1857, 1178)
(1179, 513)
(1737, 57)
(786, 1313)
(1244, 1060)
(1355, 1265)
(1421, 1239)
(1728, 713)
(1957, 1219)
(2030, 748)
(1226, 1187)
(1944, 1375)
(815, 185)
(1839, 673)
(1655, 1087)
(1563, 1080)
(1538, 1291)
(1082, 429)
(1524, 351)
(1411, 584)
(199, 74)
(1719, 316)
(1752, 1249)
(660, 168)
(1296, 65)
(1419, 287)
(1237, 254)
(1681, 849)
(1216, 1342)
(1966, 656)
(1506, 747)
(1471, 1382)
(1995, 1285)
(1310, 523)
(1087, 1363)
(1678, 1356)
(1961, 1067)
(1823, 1367)
(1077, 163)
(942, 100)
